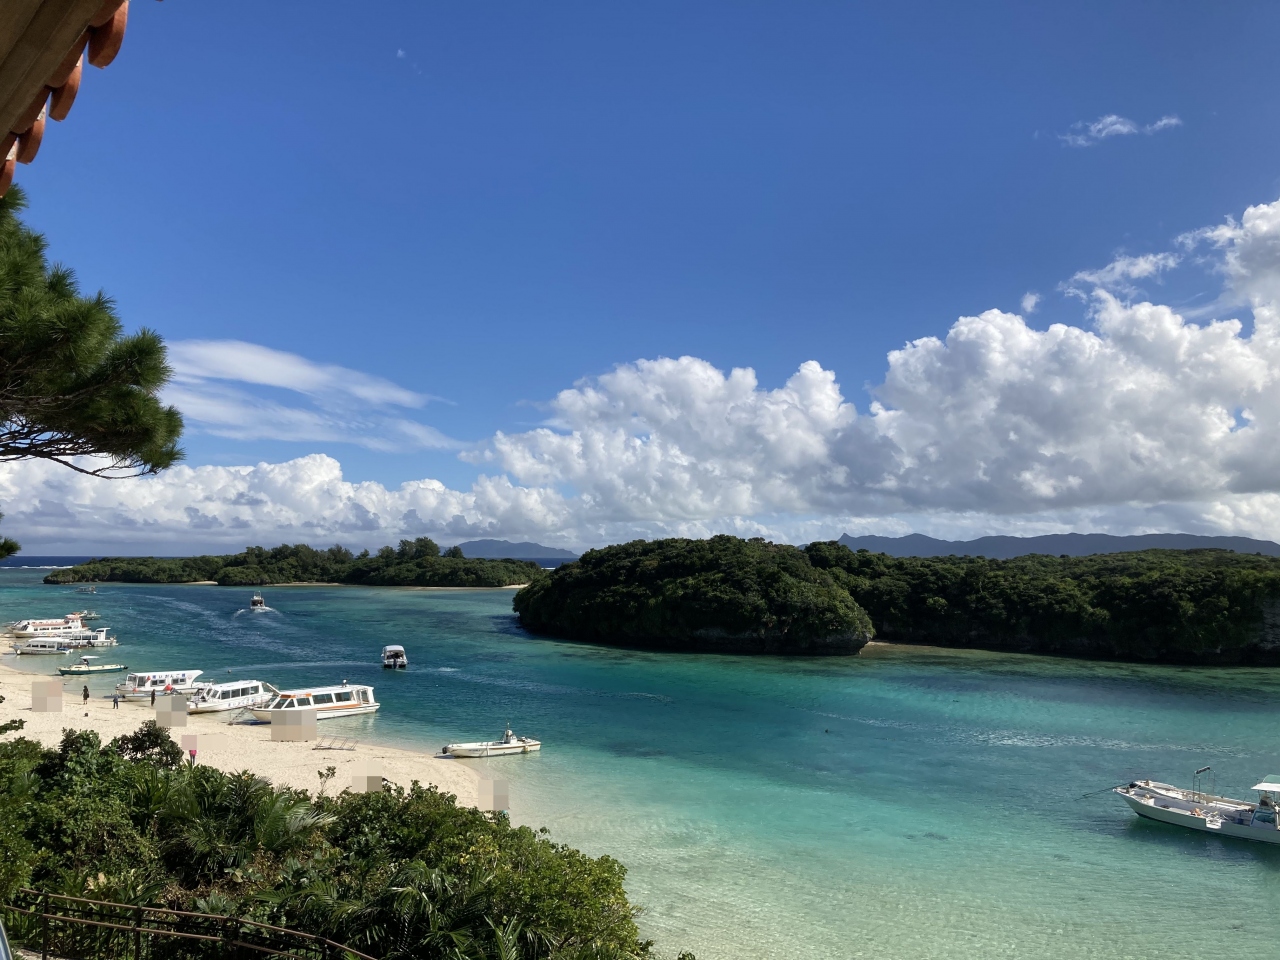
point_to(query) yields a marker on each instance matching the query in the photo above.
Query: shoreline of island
(246, 747)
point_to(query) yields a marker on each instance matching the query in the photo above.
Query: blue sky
(481, 204)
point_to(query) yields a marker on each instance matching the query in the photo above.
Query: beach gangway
(336, 743)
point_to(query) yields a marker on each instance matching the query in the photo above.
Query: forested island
(402, 873)
(414, 563)
(1173, 606)
(724, 594)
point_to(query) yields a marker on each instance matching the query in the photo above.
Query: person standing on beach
(86, 693)
(115, 701)
(153, 698)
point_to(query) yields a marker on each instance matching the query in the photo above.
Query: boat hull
(1263, 833)
(322, 713)
(478, 750)
(76, 670)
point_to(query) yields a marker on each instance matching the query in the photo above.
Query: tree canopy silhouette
(72, 383)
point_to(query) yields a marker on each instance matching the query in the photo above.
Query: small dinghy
(86, 665)
(509, 743)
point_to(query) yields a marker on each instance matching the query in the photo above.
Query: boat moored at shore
(140, 686)
(345, 700)
(1196, 809)
(51, 646)
(87, 666)
(509, 743)
(234, 695)
(48, 629)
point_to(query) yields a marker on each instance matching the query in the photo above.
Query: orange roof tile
(42, 51)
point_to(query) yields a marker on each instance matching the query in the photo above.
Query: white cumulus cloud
(1136, 419)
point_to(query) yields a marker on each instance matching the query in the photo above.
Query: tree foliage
(1166, 605)
(400, 874)
(72, 384)
(414, 563)
(723, 594)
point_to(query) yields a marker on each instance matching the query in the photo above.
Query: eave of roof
(42, 52)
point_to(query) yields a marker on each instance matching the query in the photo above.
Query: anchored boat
(46, 647)
(509, 743)
(393, 657)
(140, 686)
(45, 629)
(346, 700)
(86, 665)
(1196, 809)
(216, 697)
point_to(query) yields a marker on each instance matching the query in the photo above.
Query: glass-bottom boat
(345, 700)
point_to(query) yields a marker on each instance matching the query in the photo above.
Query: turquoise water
(906, 803)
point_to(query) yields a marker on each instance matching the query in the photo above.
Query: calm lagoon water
(905, 803)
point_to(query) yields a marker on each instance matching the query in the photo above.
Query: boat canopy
(1271, 782)
(393, 648)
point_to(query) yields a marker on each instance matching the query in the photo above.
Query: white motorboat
(89, 638)
(234, 695)
(87, 615)
(345, 700)
(257, 604)
(44, 629)
(46, 647)
(509, 743)
(87, 666)
(140, 686)
(1197, 810)
(393, 657)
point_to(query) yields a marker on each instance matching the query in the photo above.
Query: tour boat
(47, 647)
(509, 743)
(86, 666)
(1206, 812)
(140, 686)
(393, 657)
(63, 626)
(257, 603)
(88, 638)
(216, 697)
(345, 700)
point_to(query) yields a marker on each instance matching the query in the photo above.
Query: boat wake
(256, 610)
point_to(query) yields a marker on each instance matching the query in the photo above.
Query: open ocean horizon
(907, 803)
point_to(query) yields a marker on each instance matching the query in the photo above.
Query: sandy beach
(243, 747)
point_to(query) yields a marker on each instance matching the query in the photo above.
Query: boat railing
(79, 929)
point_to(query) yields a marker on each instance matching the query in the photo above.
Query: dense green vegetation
(72, 383)
(722, 594)
(399, 874)
(1190, 606)
(1166, 605)
(414, 563)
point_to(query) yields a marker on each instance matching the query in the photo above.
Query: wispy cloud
(1030, 301)
(1084, 134)
(1119, 275)
(213, 387)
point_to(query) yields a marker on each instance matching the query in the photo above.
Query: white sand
(245, 747)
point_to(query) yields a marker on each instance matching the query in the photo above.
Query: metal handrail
(43, 910)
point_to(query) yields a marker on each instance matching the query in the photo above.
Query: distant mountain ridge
(1055, 544)
(505, 550)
